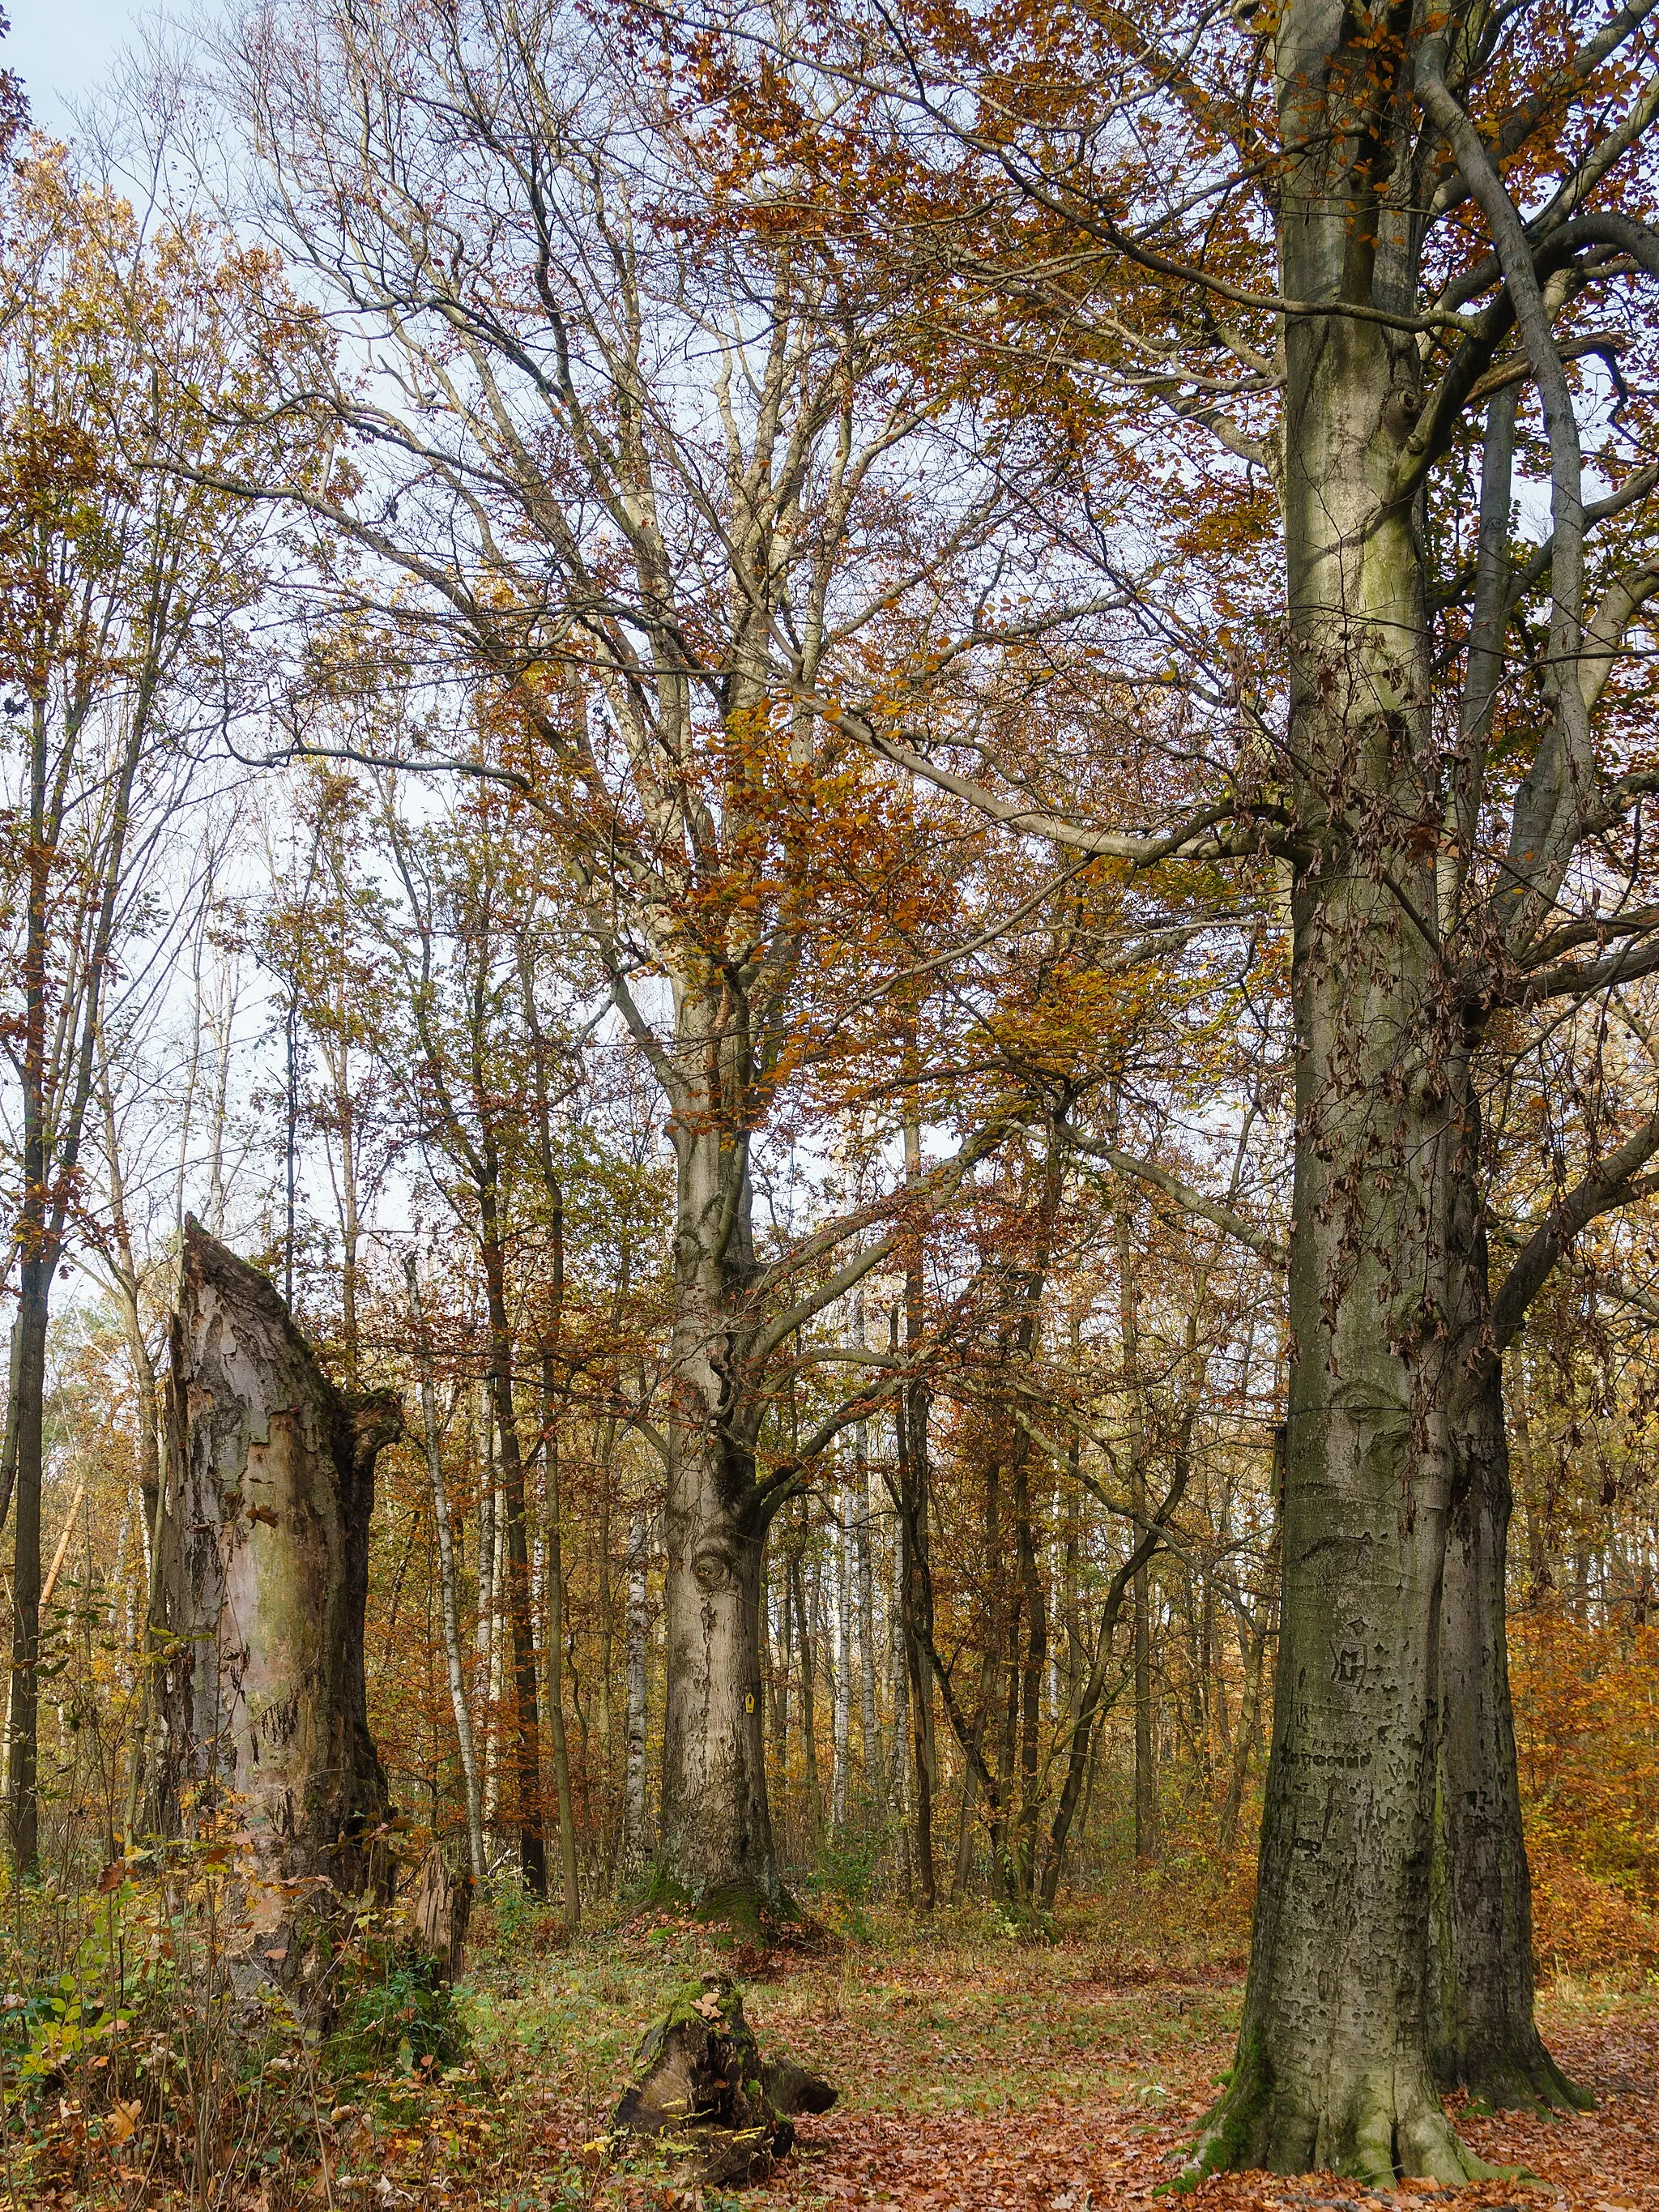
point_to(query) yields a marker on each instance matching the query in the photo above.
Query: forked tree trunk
(1484, 2038)
(265, 1580)
(1333, 2066)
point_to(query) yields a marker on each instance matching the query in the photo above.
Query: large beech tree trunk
(1333, 2066)
(715, 1844)
(265, 1580)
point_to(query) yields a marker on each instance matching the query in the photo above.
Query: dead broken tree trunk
(436, 1912)
(270, 1478)
(704, 2090)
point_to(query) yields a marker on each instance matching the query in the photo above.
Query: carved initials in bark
(271, 1480)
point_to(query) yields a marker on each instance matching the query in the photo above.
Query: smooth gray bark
(715, 1846)
(1333, 2063)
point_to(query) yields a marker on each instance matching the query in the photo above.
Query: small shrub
(513, 1926)
(396, 2015)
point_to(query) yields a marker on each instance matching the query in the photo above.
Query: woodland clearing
(978, 2067)
(830, 1090)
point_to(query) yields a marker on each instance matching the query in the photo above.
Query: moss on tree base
(721, 2113)
(746, 1908)
(1524, 2083)
(1370, 2136)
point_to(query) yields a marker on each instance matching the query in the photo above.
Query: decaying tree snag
(271, 1480)
(704, 2088)
(437, 1909)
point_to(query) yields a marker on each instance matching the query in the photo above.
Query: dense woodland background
(563, 696)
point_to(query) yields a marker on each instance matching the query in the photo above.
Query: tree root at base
(1372, 2138)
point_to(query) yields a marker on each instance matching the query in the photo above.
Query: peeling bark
(265, 1577)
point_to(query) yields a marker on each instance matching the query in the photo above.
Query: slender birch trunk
(449, 1593)
(634, 1834)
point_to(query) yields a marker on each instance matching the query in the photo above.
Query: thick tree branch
(1613, 1183)
(1219, 1215)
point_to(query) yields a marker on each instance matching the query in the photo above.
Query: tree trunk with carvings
(1333, 2066)
(716, 1847)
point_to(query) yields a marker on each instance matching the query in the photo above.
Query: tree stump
(268, 1484)
(724, 2113)
(437, 1909)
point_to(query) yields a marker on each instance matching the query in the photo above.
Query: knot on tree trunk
(703, 2088)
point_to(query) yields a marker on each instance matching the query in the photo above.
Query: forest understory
(829, 1086)
(976, 2066)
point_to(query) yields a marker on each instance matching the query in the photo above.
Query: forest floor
(979, 2072)
(975, 2070)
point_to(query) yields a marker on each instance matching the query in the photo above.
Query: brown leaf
(122, 2120)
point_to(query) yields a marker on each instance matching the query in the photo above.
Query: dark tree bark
(25, 1427)
(916, 1561)
(57, 1067)
(264, 1582)
(1145, 1788)
(1484, 2036)
(526, 1777)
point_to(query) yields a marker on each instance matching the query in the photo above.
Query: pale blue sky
(61, 48)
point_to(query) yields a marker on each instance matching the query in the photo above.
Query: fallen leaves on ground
(975, 2077)
(1062, 2156)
